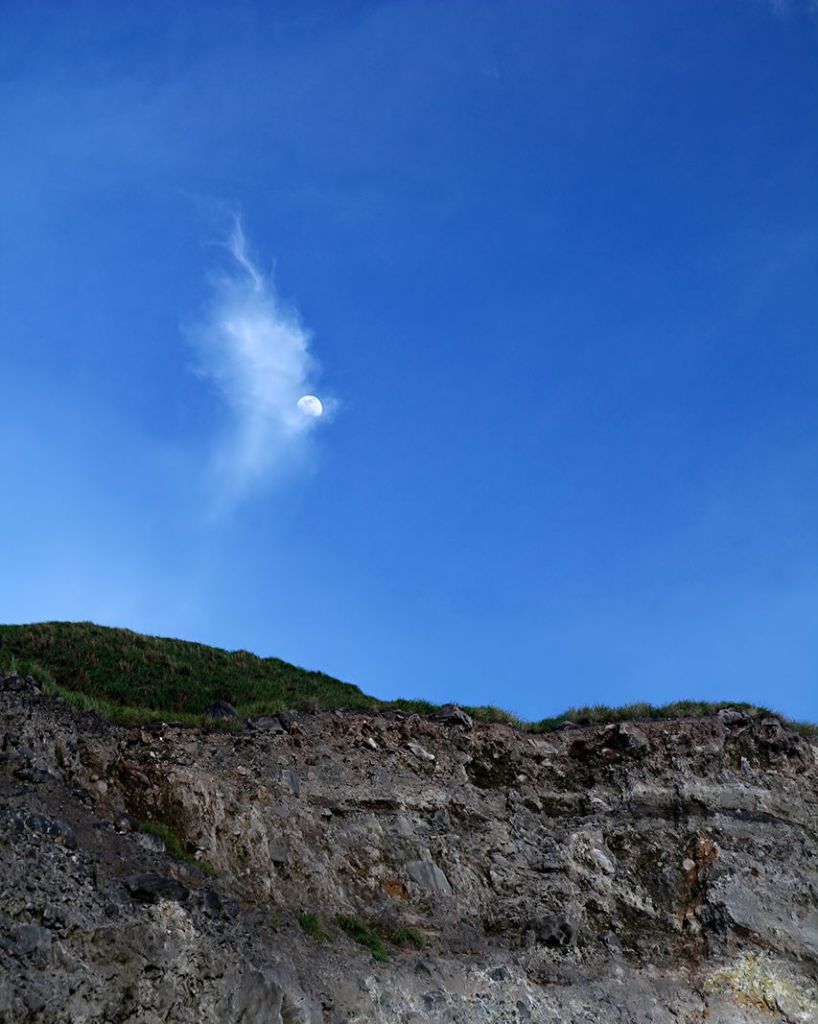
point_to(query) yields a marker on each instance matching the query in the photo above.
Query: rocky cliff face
(655, 872)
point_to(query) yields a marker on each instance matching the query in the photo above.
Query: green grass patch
(804, 728)
(363, 935)
(490, 713)
(128, 716)
(602, 714)
(171, 677)
(175, 848)
(408, 936)
(313, 926)
(131, 679)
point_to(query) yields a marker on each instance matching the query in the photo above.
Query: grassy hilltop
(116, 669)
(131, 678)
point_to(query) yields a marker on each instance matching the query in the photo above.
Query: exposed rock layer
(655, 872)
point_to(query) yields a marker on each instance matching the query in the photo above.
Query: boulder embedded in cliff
(429, 876)
(266, 723)
(557, 931)
(629, 739)
(151, 842)
(731, 716)
(18, 684)
(617, 740)
(420, 752)
(152, 887)
(278, 855)
(291, 780)
(452, 715)
(126, 822)
(287, 718)
(55, 830)
(31, 938)
(219, 709)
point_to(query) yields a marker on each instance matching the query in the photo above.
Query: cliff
(363, 866)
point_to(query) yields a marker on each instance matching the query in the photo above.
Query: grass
(124, 669)
(175, 848)
(359, 932)
(133, 679)
(408, 936)
(364, 936)
(602, 714)
(313, 926)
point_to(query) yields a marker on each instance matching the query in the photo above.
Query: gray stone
(27, 772)
(219, 709)
(629, 738)
(151, 841)
(291, 780)
(56, 830)
(278, 855)
(126, 822)
(266, 723)
(557, 930)
(14, 684)
(429, 876)
(731, 716)
(151, 887)
(420, 752)
(31, 938)
(452, 715)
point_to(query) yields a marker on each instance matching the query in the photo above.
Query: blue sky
(552, 268)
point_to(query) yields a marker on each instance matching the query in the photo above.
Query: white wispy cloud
(784, 8)
(257, 353)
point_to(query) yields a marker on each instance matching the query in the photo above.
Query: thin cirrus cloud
(257, 354)
(787, 7)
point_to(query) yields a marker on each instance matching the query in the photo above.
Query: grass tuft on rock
(313, 926)
(174, 846)
(408, 936)
(363, 935)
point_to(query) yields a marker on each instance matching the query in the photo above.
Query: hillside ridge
(132, 677)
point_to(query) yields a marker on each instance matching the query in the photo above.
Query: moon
(310, 405)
